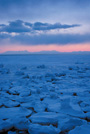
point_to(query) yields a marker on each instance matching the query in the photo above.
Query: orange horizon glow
(60, 48)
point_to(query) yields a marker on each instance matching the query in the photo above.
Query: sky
(42, 25)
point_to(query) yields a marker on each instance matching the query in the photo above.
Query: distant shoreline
(44, 54)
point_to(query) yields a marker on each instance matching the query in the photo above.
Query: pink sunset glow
(60, 48)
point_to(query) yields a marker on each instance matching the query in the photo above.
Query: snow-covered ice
(45, 94)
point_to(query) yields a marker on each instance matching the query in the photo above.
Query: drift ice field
(45, 94)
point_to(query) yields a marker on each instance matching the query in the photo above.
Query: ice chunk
(39, 129)
(84, 129)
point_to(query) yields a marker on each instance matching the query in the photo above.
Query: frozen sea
(45, 94)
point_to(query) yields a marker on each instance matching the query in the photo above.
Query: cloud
(47, 26)
(4, 36)
(44, 39)
(60, 39)
(26, 33)
(20, 26)
(14, 26)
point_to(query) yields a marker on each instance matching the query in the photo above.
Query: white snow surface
(45, 94)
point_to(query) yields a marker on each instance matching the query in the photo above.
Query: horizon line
(38, 52)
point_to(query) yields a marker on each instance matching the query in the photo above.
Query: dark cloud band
(26, 33)
(60, 39)
(20, 26)
(44, 39)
